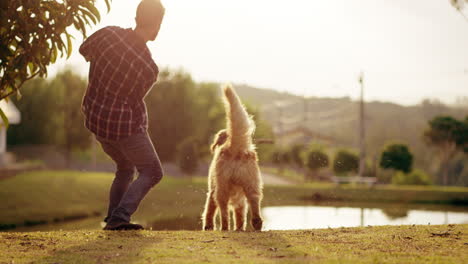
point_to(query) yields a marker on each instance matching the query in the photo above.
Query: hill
(338, 118)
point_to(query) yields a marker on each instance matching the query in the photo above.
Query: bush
(398, 157)
(317, 159)
(188, 156)
(296, 153)
(345, 162)
(416, 177)
(280, 157)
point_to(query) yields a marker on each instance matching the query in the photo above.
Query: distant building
(14, 117)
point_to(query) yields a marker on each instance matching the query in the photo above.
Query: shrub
(416, 177)
(317, 159)
(345, 162)
(188, 156)
(398, 157)
(296, 153)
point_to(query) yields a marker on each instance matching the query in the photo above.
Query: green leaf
(85, 18)
(69, 45)
(108, 5)
(4, 118)
(86, 14)
(93, 10)
(31, 67)
(18, 95)
(54, 54)
(82, 26)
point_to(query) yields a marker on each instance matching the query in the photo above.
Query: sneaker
(123, 226)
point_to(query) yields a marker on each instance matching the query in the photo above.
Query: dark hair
(149, 12)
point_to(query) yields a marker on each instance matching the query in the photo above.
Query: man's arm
(90, 46)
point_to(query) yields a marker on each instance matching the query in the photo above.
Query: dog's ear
(219, 139)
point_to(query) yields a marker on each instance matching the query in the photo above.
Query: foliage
(180, 108)
(449, 135)
(317, 159)
(457, 169)
(263, 131)
(58, 121)
(40, 123)
(445, 130)
(345, 161)
(398, 157)
(33, 34)
(172, 112)
(416, 177)
(281, 157)
(341, 121)
(296, 154)
(188, 156)
(208, 115)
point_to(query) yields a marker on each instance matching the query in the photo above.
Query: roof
(10, 110)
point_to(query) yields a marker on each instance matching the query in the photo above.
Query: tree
(58, 122)
(33, 34)
(40, 122)
(75, 135)
(296, 153)
(398, 157)
(462, 139)
(280, 158)
(345, 162)
(209, 117)
(172, 112)
(263, 131)
(317, 159)
(188, 156)
(449, 136)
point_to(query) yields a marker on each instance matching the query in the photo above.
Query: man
(121, 74)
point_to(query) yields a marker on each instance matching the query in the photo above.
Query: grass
(386, 244)
(55, 196)
(286, 173)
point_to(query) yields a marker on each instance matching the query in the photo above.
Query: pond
(308, 217)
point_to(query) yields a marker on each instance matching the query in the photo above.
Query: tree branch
(19, 86)
(463, 15)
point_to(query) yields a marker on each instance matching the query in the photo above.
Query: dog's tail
(240, 125)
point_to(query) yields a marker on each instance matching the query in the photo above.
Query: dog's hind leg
(210, 211)
(254, 198)
(222, 199)
(240, 214)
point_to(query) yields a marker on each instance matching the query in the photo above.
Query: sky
(408, 50)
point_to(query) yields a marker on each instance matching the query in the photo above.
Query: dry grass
(387, 244)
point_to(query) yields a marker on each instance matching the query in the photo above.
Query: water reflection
(322, 215)
(305, 217)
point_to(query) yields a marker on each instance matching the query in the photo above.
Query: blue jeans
(135, 152)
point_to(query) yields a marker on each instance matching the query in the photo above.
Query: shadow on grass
(192, 222)
(103, 247)
(272, 246)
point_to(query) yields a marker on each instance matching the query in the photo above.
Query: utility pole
(279, 125)
(362, 154)
(306, 111)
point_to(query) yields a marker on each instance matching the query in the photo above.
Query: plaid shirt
(121, 74)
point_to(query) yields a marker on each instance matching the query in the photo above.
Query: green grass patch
(286, 173)
(35, 198)
(386, 244)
